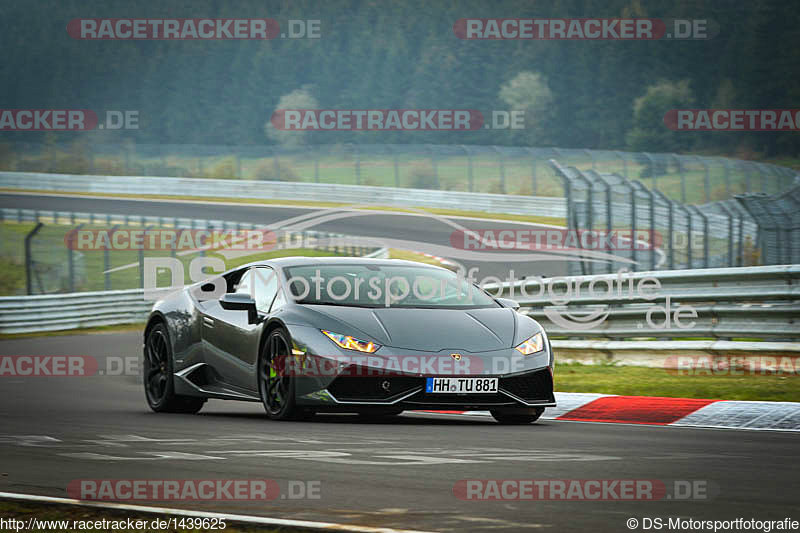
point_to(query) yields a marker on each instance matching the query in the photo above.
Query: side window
(266, 284)
(243, 287)
(280, 300)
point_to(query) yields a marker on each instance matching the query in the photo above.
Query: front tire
(275, 387)
(517, 416)
(159, 388)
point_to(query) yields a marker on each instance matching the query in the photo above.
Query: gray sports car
(376, 337)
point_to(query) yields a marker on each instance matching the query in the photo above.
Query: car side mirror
(234, 301)
(509, 303)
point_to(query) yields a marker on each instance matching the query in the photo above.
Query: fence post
(435, 167)
(276, 164)
(740, 244)
(682, 173)
(727, 176)
(590, 153)
(704, 218)
(689, 259)
(746, 170)
(71, 256)
(621, 155)
(357, 158)
(141, 258)
(107, 260)
(470, 178)
(501, 160)
(706, 179)
(598, 178)
(396, 165)
(29, 258)
(534, 180)
(670, 228)
(653, 170)
(651, 206)
(729, 215)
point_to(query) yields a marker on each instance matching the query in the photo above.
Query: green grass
(640, 381)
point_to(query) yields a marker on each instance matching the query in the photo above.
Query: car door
(230, 343)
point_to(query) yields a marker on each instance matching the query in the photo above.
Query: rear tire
(517, 416)
(159, 389)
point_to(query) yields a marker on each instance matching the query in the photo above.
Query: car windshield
(364, 285)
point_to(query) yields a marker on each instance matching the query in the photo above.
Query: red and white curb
(681, 412)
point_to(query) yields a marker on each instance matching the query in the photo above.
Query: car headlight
(532, 345)
(351, 343)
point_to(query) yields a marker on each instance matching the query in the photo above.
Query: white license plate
(461, 385)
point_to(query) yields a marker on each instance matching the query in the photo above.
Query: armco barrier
(279, 190)
(756, 302)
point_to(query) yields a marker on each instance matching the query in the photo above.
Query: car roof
(293, 261)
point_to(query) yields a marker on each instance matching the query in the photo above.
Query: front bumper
(383, 379)
(526, 389)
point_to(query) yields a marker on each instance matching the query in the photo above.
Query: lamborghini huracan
(369, 336)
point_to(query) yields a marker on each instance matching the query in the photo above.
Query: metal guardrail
(279, 190)
(758, 302)
(54, 312)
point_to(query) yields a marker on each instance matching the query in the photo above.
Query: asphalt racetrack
(413, 228)
(399, 473)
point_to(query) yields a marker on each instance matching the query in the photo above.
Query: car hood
(430, 330)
